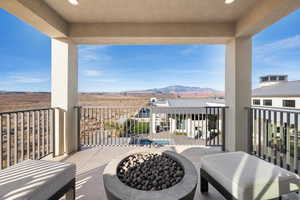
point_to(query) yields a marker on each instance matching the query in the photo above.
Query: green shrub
(140, 128)
(181, 133)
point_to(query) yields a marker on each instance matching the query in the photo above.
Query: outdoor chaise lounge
(38, 180)
(238, 175)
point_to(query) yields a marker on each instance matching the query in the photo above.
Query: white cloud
(277, 46)
(92, 73)
(190, 50)
(282, 54)
(278, 57)
(93, 53)
(26, 79)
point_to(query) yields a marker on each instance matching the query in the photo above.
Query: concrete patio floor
(91, 162)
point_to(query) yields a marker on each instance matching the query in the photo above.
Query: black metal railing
(274, 135)
(163, 125)
(26, 134)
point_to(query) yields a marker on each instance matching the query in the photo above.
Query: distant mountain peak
(180, 88)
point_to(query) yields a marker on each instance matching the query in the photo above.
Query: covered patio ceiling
(151, 11)
(150, 21)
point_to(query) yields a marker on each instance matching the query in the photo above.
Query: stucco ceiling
(151, 11)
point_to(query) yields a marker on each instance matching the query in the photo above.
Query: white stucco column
(153, 122)
(64, 94)
(172, 125)
(238, 92)
(189, 127)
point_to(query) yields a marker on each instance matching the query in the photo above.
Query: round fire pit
(151, 174)
(150, 171)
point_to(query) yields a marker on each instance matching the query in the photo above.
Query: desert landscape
(14, 101)
(117, 115)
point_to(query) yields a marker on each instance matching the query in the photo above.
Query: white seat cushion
(248, 177)
(35, 179)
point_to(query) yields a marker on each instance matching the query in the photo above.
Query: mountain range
(185, 91)
(180, 88)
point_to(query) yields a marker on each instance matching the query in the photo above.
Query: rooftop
(191, 102)
(281, 89)
(199, 102)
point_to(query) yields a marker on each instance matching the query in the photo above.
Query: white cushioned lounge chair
(238, 175)
(38, 180)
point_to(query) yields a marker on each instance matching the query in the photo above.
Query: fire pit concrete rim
(115, 189)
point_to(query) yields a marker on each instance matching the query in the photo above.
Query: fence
(151, 125)
(26, 134)
(274, 135)
(29, 134)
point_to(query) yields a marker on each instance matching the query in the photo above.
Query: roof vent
(272, 79)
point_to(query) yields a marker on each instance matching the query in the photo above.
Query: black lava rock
(150, 171)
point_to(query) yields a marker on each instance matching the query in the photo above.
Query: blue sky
(25, 56)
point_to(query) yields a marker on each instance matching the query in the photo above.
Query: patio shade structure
(98, 22)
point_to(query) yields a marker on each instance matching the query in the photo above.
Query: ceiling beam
(264, 14)
(37, 14)
(152, 33)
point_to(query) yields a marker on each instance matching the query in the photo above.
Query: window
(264, 79)
(278, 129)
(256, 101)
(273, 78)
(197, 117)
(267, 102)
(180, 121)
(289, 103)
(281, 78)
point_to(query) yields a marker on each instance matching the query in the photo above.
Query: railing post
(51, 142)
(1, 141)
(78, 117)
(250, 131)
(206, 126)
(296, 143)
(223, 129)
(8, 139)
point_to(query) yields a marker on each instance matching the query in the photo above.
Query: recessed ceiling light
(74, 2)
(229, 1)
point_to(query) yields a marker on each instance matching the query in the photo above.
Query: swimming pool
(161, 142)
(153, 142)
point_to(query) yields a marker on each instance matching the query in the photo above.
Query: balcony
(90, 136)
(30, 134)
(106, 132)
